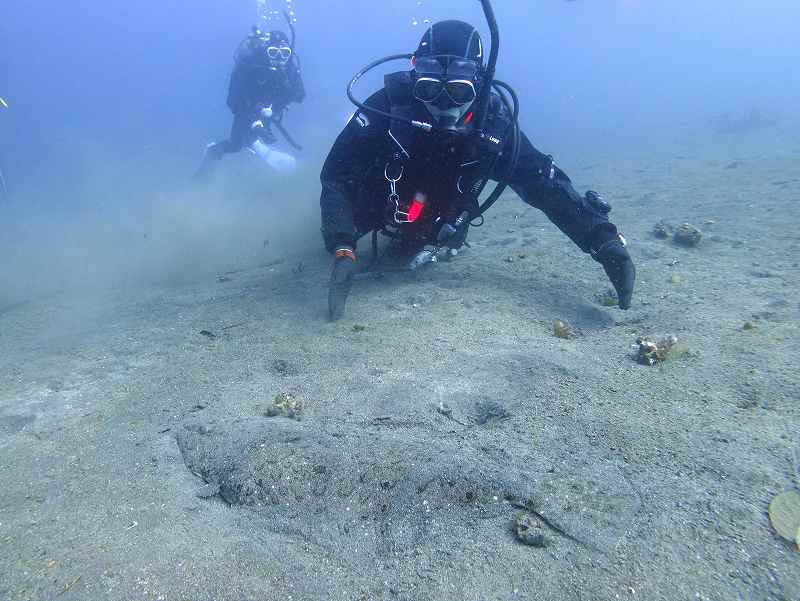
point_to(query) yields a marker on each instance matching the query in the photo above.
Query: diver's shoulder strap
(399, 88)
(399, 92)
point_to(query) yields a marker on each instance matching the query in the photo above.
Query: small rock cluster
(562, 329)
(286, 405)
(529, 529)
(650, 352)
(662, 230)
(685, 235)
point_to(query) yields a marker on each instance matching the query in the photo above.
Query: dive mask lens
(456, 80)
(428, 89)
(460, 91)
(275, 52)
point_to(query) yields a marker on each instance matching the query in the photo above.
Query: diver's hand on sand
(454, 235)
(344, 268)
(616, 261)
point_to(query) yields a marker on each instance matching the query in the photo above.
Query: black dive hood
(487, 77)
(481, 104)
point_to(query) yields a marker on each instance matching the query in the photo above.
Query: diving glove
(617, 263)
(344, 268)
(454, 235)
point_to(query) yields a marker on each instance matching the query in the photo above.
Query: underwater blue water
(123, 78)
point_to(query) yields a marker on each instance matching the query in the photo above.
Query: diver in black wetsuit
(418, 182)
(265, 81)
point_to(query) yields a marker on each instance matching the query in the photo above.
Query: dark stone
(490, 411)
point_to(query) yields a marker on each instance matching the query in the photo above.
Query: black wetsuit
(355, 187)
(253, 88)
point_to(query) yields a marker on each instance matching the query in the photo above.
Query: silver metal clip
(394, 198)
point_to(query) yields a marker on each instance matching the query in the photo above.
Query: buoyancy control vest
(460, 163)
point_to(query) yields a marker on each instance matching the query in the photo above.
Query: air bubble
(273, 10)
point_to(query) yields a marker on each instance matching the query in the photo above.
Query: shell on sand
(784, 514)
(562, 329)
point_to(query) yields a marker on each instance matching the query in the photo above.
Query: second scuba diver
(414, 159)
(266, 79)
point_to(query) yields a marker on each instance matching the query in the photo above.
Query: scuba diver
(265, 81)
(415, 157)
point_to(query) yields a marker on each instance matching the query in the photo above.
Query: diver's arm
(237, 90)
(542, 184)
(344, 171)
(344, 177)
(340, 183)
(584, 219)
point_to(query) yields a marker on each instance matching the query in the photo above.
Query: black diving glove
(454, 235)
(617, 263)
(344, 268)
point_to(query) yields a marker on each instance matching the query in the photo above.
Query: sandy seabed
(138, 463)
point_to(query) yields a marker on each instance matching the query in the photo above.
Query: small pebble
(561, 329)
